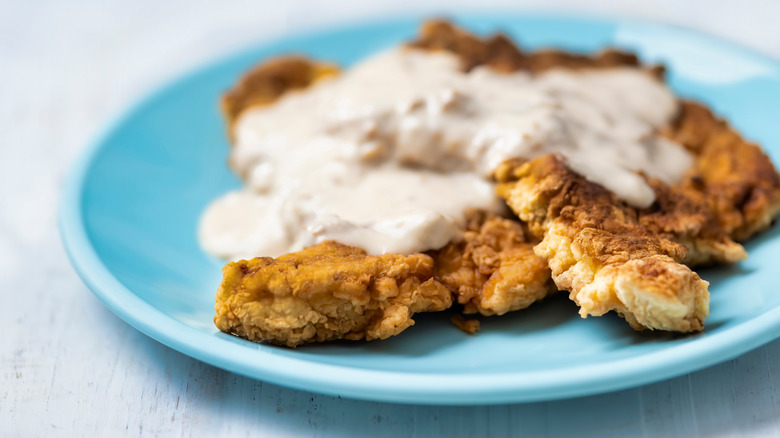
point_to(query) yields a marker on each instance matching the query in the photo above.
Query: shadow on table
(717, 401)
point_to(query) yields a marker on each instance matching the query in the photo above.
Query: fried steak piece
(599, 250)
(493, 270)
(608, 255)
(326, 292)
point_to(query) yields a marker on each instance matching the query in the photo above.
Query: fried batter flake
(470, 326)
(493, 270)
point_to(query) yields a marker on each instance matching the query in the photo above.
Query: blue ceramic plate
(131, 208)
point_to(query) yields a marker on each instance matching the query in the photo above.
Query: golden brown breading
(682, 215)
(470, 326)
(738, 180)
(326, 292)
(598, 249)
(493, 270)
(268, 81)
(499, 52)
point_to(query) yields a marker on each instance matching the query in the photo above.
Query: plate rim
(382, 385)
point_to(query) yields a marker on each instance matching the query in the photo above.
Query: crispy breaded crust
(682, 215)
(500, 52)
(493, 270)
(268, 81)
(738, 180)
(598, 249)
(470, 326)
(326, 292)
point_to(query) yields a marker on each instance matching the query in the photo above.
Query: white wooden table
(70, 367)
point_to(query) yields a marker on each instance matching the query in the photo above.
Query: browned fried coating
(326, 292)
(682, 215)
(737, 179)
(268, 81)
(493, 270)
(470, 326)
(599, 250)
(500, 52)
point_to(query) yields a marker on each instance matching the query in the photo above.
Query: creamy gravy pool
(388, 155)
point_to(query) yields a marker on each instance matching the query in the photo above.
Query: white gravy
(389, 155)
